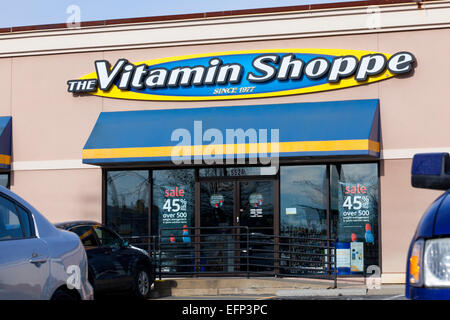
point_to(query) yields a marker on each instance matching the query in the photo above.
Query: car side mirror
(431, 171)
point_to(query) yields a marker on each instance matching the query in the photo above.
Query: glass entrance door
(256, 206)
(217, 199)
(225, 207)
(256, 211)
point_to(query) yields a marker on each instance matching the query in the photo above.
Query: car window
(13, 225)
(26, 221)
(108, 238)
(86, 234)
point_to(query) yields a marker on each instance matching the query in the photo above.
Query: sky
(36, 12)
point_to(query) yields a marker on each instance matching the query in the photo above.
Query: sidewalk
(277, 287)
(385, 290)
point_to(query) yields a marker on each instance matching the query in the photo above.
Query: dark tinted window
(12, 224)
(107, 238)
(86, 234)
(26, 223)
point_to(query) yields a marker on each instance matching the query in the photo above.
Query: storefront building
(230, 120)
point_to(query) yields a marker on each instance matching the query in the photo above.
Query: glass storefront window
(303, 214)
(127, 202)
(353, 210)
(303, 201)
(354, 215)
(4, 180)
(316, 202)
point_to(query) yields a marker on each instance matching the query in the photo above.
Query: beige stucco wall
(402, 207)
(61, 195)
(50, 124)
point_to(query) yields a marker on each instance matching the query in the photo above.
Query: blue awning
(319, 129)
(5, 142)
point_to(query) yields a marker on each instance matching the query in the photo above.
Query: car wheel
(63, 295)
(142, 283)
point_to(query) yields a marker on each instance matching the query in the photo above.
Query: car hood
(140, 250)
(436, 220)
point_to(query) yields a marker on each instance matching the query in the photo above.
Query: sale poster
(357, 211)
(176, 212)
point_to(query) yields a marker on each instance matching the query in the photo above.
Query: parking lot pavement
(358, 292)
(359, 297)
(268, 297)
(226, 297)
(386, 292)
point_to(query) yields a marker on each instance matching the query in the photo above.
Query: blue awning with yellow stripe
(319, 129)
(5, 142)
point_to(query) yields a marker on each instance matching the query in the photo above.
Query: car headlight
(437, 263)
(415, 264)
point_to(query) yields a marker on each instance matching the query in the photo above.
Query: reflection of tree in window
(139, 190)
(304, 192)
(304, 188)
(127, 202)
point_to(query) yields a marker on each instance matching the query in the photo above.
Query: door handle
(37, 260)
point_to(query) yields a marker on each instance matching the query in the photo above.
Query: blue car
(428, 263)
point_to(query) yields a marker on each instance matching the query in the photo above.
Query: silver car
(37, 260)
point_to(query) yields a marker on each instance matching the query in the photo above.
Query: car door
(24, 266)
(124, 255)
(99, 257)
(112, 244)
